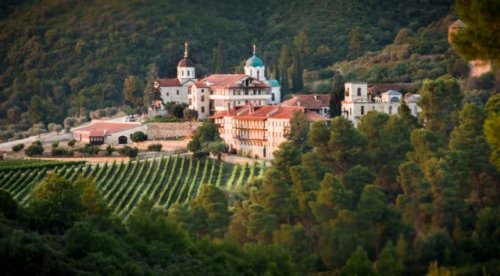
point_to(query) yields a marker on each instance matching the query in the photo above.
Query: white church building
(357, 101)
(219, 92)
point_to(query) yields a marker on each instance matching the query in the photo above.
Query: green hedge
(8, 165)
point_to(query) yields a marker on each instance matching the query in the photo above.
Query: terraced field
(165, 180)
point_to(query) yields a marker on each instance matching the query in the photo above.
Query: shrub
(61, 152)
(128, 151)
(18, 147)
(109, 150)
(34, 149)
(72, 143)
(55, 144)
(89, 149)
(138, 136)
(155, 147)
(37, 143)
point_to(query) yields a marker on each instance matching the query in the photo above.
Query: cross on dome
(254, 49)
(185, 49)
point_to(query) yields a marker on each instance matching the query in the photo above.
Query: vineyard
(164, 180)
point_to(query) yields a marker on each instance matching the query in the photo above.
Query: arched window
(362, 110)
(390, 109)
(182, 72)
(347, 92)
(258, 74)
(359, 91)
(188, 72)
(202, 98)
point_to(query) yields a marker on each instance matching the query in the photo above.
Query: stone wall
(161, 131)
(168, 146)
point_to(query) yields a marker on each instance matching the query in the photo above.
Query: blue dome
(254, 61)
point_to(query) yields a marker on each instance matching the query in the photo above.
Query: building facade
(357, 101)
(176, 89)
(219, 92)
(258, 131)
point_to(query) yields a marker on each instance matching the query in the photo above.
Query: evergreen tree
(298, 130)
(337, 94)
(340, 145)
(358, 264)
(479, 38)
(133, 91)
(218, 58)
(283, 63)
(440, 103)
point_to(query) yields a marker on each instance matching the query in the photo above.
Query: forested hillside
(60, 57)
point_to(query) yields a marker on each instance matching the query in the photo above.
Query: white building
(176, 89)
(358, 102)
(220, 92)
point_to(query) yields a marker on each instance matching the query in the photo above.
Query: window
(272, 97)
(202, 98)
(390, 109)
(350, 111)
(177, 91)
(190, 101)
(347, 92)
(188, 73)
(182, 73)
(202, 109)
(167, 94)
(359, 91)
(202, 90)
(251, 72)
(362, 110)
(258, 74)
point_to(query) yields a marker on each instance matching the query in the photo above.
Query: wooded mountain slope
(59, 55)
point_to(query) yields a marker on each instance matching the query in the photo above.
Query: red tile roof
(99, 128)
(227, 81)
(169, 82)
(267, 112)
(309, 101)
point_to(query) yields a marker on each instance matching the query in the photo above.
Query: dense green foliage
(66, 229)
(479, 38)
(60, 58)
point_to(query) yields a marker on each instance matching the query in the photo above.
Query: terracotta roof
(227, 81)
(169, 82)
(108, 127)
(310, 101)
(377, 88)
(185, 62)
(268, 112)
(97, 133)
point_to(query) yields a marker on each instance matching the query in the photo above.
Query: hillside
(412, 57)
(61, 57)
